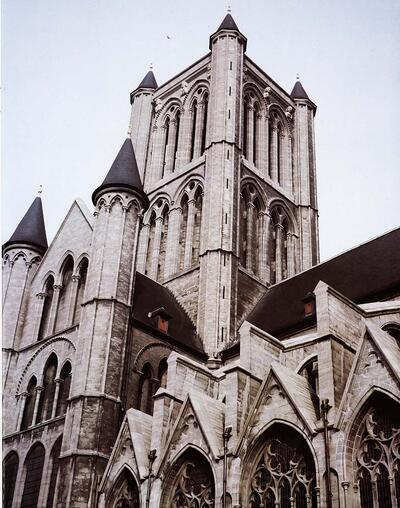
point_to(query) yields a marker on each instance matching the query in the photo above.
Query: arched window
(183, 231)
(150, 243)
(270, 145)
(250, 207)
(163, 244)
(278, 245)
(310, 372)
(47, 396)
(125, 492)
(283, 473)
(245, 127)
(177, 128)
(279, 152)
(204, 126)
(29, 404)
(256, 133)
(162, 373)
(165, 148)
(65, 294)
(190, 483)
(376, 457)
(34, 469)
(198, 198)
(48, 300)
(393, 330)
(10, 471)
(82, 271)
(63, 393)
(55, 463)
(193, 130)
(145, 399)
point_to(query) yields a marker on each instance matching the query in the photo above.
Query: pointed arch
(33, 476)
(279, 466)
(162, 375)
(190, 481)
(48, 294)
(27, 417)
(150, 242)
(250, 228)
(64, 388)
(281, 238)
(46, 401)
(163, 242)
(193, 123)
(183, 230)
(83, 268)
(10, 472)
(64, 300)
(55, 464)
(146, 390)
(125, 491)
(198, 211)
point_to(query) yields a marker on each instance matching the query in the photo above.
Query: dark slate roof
(150, 296)
(298, 91)
(149, 81)
(367, 273)
(31, 230)
(123, 172)
(228, 23)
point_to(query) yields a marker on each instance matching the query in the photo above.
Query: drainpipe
(152, 457)
(325, 407)
(226, 435)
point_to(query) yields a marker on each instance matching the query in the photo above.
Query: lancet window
(55, 464)
(250, 229)
(65, 294)
(281, 246)
(34, 468)
(190, 483)
(377, 457)
(81, 280)
(198, 123)
(279, 150)
(46, 401)
(29, 401)
(146, 390)
(64, 388)
(125, 492)
(190, 225)
(284, 472)
(44, 328)
(10, 471)
(162, 373)
(252, 129)
(157, 232)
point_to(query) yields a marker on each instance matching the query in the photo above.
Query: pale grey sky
(69, 66)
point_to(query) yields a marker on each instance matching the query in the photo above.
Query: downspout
(325, 407)
(226, 435)
(152, 458)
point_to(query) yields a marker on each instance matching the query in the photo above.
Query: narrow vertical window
(245, 128)
(145, 399)
(255, 134)
(82, 270)
(10, 471)
(165, 148)
(49, 385)
(65, 294)
(178, 123)
(29, 404)
(204, 127)
(278, 152)
(55, 464)
(162, 373)
(63, 394)
(48, 300)
(34, 468)
(193, 130)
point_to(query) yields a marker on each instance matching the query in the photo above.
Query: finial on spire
(229, 8)
(297, 77)
(40, 190)
(151, 66)
(129, 131)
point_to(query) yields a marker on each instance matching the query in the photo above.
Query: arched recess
(279, 149)
(281, 244)
(55, 464)
(65, 294)
(162, 373)
(393, 329)
(10, 471)
(82, 276)
(279, 467)
(163, 243)
(64, 387)
(125, 492)
(373, 453)
(29, 408)
(48, 294)
(146, 390)
(46, 401)
(250, 229)
(198, 122)
(150, 242)
(183, 230)
(33, 476)
(156, 239)
(253, 112)
(189, 482)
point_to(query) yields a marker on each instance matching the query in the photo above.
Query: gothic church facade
(183, 346)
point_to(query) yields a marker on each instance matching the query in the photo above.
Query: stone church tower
(182, 346)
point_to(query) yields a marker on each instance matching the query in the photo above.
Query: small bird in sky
(168, 37)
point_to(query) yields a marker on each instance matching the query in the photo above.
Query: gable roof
(31, 230)
(149, 296)
(366, 273)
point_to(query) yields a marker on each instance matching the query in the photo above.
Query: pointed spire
(298, 91)
(149, 81)
(124, 172)
(31, 230)
(228, 23)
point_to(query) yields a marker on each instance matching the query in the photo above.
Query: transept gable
(376, 364)
(283, 395)
(74, 235)
(131, 448)
(200, 422)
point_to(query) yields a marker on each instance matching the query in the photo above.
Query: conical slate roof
(228, 23)
(31, 230)
(123, 172)
(149, 81)
(298, 91)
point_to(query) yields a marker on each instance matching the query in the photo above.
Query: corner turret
(228, 25)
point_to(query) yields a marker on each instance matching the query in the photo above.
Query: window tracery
(125, 493)
(377, 457)
(285, 473)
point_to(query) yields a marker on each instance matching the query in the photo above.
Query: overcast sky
(69, 66)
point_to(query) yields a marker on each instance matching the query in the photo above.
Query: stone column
(172, 247)
(72, 299)
(57, 381)
(249, 236)
(263, 145)
(189, 234)
(156, 248)
(53, 310)
(39, 311)
(23, 396)
(38, 390)
(264, 219)
(290, 254)
(170, 148)
(143, 245)
(274, 155)
(250, 133)
(278, 257)
(198, 130)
